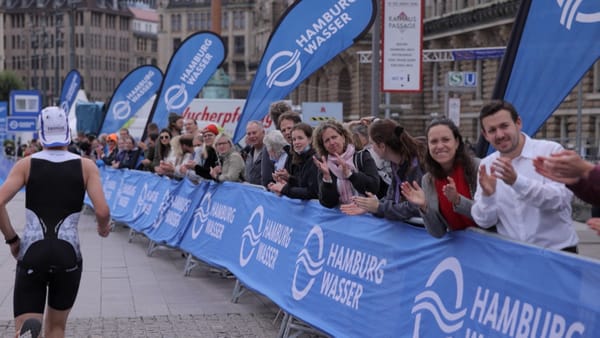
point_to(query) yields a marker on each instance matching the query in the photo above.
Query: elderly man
(257, 161)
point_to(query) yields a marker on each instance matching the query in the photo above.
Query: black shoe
(31, 328)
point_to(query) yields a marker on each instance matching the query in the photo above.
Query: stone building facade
(45, 39)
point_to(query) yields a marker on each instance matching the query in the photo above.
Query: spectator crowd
(522, 191)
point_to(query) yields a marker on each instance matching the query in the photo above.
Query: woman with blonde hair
(344, 170)
(232, 166)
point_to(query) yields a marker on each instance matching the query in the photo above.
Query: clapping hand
(450, 191)
(322, 165)
(414, 194)
(487, 182)
(369, 203)
(503, 169)
(352, 209)
(215, 171)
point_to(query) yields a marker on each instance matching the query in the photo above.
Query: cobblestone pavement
(234, 325)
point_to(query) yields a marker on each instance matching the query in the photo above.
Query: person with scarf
(392, 143)
(299, 178)
(449, 185)
(232, 164)
(344, 170)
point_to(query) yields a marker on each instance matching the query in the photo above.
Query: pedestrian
(49, 262)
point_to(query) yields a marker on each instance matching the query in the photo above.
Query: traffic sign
(17, 124)
(462, 79)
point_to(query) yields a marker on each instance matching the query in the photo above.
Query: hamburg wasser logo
(201, 215)
(292, 61)
(140, 204)
(312, 267)
(262, 239)
(162, 209)
(571, 12)
(251, 235)
(176, 97)
(430, 301)
(121, 110)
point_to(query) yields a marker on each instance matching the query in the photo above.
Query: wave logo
(164, 205)
(252, 235)
(121, 110)
(65, 106)
(305, 261)
(176, 97)
(201, 215)
(140, 205)
(571, 12)
(430, 301)
(274, 74)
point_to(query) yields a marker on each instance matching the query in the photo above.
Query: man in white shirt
(524, 205)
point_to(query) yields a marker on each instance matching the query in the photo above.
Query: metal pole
(579, 117)
(73, 5)
(375, 63)
(56, 63)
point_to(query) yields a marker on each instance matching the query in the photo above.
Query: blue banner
(559, 43)
(3, 115)
(70, 88)
(135, 90)
(190, 67)
(362, 276)
(310, 34)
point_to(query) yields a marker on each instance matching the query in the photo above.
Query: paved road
(125, 293)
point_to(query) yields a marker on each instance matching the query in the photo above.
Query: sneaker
(31, 328)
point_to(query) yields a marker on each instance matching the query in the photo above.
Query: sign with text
(17, 124)
(314, 113)
(402, 45)
(25, 102)
(462, 79)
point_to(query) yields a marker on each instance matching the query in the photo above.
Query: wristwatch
(12, 240)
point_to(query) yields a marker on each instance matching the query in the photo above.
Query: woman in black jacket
(344, 170)
(299, 178)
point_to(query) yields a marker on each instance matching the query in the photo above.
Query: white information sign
(314, 113)
(402, 46)
(454, 110)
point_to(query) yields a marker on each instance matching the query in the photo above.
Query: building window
(225, 21)
(205, 21)
(596, 77)
(239, 46)
(176, 22)
(239, 20)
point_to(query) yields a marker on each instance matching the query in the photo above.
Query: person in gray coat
(448, 187)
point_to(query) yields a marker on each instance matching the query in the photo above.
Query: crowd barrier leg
(190, 263)
(292, 327)
(238, 290)
(152, 246)
(132, 234)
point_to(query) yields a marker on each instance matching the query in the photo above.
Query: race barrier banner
(362, 276)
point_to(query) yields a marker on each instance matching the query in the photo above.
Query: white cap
(54, 127)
